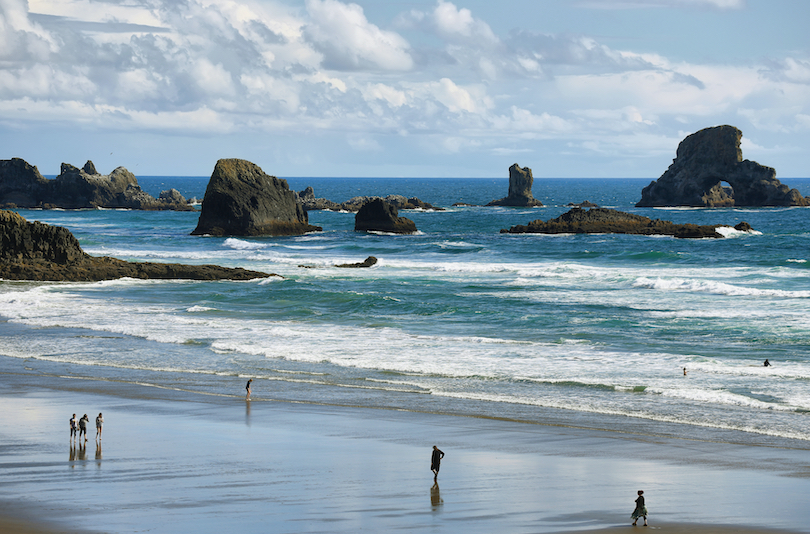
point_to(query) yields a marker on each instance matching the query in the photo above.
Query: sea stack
(377, 215)
(242, 200)
(520, 189)
(704, 161)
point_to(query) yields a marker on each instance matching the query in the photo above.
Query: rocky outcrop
(520, 189)
(22, 186)
(37, 251)
(704, 161)
(378, 215)
(242, 200)
(368, 262)
(607, 221)
(311, 203)
(583, 204)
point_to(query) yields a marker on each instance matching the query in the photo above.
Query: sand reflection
(435, 496)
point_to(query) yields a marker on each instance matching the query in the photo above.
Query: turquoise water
(511, 325)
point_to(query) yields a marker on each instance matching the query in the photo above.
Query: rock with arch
(709, 171)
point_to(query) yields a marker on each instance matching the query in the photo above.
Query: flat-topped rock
(709, 171)
(311, 202)
(607, 221)
(37, 251)
(520, 189)
(242, 200)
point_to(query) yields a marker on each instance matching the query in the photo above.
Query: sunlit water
(589, 323)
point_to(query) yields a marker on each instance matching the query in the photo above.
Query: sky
(420, 88)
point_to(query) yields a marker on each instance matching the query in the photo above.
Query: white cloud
(630, 4)
(348, 41)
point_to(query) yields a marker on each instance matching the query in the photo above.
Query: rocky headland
(378, 215)
(312, 203)
(704, 161)
(37, 251)
(22, 186)
(242, 200)
(520, 189)
(608, 221)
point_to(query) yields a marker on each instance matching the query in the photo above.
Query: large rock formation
(378, 215)
(520, 189)
(607, 221)
(704, 161)
(242, 200)
(354, 204)
(22, 186)
(37, 251)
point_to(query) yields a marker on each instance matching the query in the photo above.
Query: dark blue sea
(457, 318)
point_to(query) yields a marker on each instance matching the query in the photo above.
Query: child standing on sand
(641, 510)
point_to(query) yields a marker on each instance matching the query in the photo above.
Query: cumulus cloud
(205, 67)
(348, 41)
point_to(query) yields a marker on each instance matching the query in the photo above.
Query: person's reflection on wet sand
(247, 413)
(82, 451)
(72, 454)
(435, 496)
(98, 453)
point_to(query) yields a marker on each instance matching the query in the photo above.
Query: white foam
(714, 287)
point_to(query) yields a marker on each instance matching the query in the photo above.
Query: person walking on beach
(83, 427)
(641, 509)
(99, 423)
(435, 461)
(73, 427)
(247, 388)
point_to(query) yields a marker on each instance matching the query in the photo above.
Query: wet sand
(171, 461)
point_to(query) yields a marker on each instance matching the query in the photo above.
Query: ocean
(591, 330)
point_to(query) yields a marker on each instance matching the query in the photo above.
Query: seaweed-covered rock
(704, 161)
(520, 189)
(607, 221)
(378, 215)
(242, 200)
(37, 251)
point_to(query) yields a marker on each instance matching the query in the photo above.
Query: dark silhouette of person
(247, 388)
(767, 363)
(641, 509)
(435, 461)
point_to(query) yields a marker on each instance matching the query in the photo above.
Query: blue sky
(462, 88)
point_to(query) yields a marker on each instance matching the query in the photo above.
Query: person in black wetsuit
(247, 388)
(435, 461)
(767, 363)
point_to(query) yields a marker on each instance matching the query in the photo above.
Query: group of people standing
(78, 427)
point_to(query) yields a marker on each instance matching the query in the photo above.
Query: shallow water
(600, 324)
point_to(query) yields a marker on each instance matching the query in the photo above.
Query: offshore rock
(311, 203)
(607, 221)
(37, 251)
(368, 262)
(704, 161)
(242, 200)
(520, 189)
(378, 215)
(22, 185)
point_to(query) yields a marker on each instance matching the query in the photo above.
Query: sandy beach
(175, 461)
